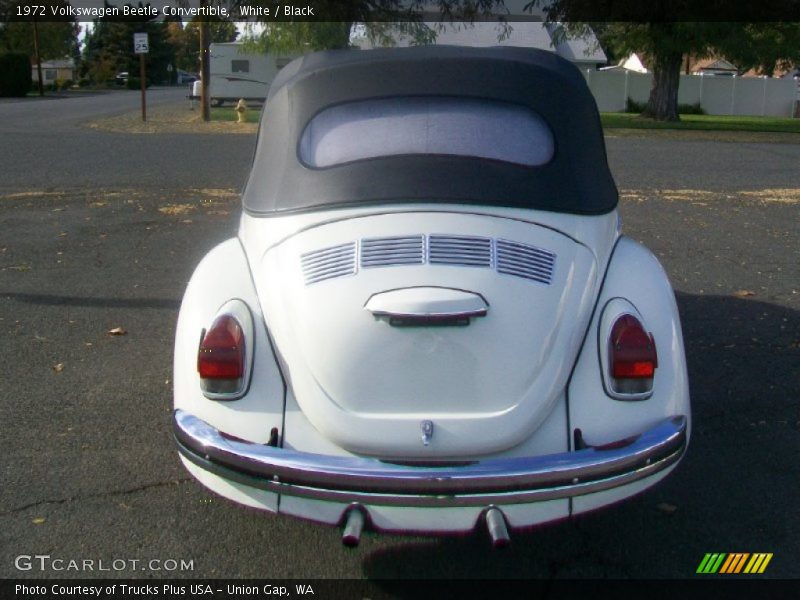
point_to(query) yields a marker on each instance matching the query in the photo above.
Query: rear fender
(634, 274)
(223, 275)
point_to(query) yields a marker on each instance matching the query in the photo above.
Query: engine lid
(431, 335)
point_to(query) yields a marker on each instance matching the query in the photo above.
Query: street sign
(141, 46)
(140, 43)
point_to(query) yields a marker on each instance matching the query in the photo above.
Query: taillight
(221, 358)
(632, 356)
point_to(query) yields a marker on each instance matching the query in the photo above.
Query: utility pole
(38, 58)
(205, 101)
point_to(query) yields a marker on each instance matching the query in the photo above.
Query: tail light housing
(224, 357)
(632, 356)
(628, 353)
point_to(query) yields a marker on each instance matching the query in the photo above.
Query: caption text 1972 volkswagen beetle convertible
(429, 320)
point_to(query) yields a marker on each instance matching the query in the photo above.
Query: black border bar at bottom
(701, 588)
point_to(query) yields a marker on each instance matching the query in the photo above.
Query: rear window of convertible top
(375, 128)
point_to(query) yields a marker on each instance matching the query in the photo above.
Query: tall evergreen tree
(57, 39)
(109, 50)
(185, 40)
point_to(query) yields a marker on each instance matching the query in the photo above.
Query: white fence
(759, 96)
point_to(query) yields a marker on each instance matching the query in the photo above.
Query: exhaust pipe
(496, 524)
(353, 527)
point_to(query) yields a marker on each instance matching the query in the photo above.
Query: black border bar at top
(357, 10)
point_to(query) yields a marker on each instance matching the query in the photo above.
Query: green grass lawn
(226, 113)
(623, 121)
(702, 122)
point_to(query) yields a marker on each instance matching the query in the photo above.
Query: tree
(665, 43)
(382, 19)
(185, 40)
(109, 49)
(56, 40)
(38, 40)
(764, 47)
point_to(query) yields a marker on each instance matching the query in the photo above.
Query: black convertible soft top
(575, 180)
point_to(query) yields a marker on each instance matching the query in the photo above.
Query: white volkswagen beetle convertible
(429, 320)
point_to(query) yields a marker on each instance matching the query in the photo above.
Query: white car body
(428, 366)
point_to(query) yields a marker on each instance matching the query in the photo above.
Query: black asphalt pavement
(45, 147)
(101, 231)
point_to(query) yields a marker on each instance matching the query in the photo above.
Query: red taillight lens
(632, 355)
(222, 354)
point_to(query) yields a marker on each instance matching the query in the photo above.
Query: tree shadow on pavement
(56, 300)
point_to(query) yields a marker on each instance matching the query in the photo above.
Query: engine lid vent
(390, 251)
(466, 251)
(523, 260)
(327, 263)
(506, 257)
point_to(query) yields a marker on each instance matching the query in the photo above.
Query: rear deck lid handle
(419, 306)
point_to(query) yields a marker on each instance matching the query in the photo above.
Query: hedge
(631, 106)
(134, 83)
(15, 74)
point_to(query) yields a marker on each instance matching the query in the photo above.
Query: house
(54, 70)
(718, 67)
(791, 71)
(631, 63)
(525, 33)
(691, 65)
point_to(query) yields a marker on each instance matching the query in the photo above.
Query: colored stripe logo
(734, 563)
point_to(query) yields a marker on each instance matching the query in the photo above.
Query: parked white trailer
(238, 74)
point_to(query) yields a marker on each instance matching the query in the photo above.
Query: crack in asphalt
(135, 490)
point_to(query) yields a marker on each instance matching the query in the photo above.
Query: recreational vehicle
(238, 74)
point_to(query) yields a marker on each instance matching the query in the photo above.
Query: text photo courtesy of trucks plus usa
(165, 590)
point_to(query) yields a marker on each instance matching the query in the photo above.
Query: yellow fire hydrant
(241, 111)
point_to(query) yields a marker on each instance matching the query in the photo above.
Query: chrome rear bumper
(480, 483)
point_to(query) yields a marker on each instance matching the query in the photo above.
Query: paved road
(60, 114)
(88, 468)
(45, 147)
(662, 163)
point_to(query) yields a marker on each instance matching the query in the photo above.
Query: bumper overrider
(370, 481)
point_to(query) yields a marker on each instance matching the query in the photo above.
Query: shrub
(691, 109)
(135, 83)
(15, 74)
(631, 106)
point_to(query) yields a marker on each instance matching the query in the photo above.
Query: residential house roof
(712, 65)
(61, 63)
